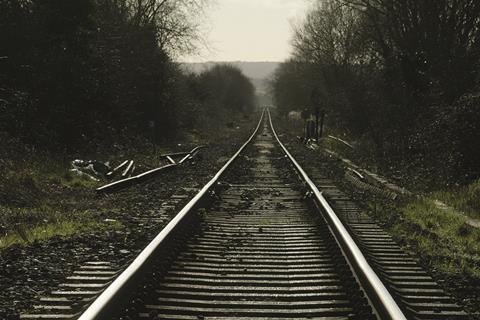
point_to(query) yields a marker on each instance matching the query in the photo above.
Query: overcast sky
(250, 30)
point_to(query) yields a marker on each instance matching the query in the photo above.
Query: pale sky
(250, 30)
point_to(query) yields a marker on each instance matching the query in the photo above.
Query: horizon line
(227, 61)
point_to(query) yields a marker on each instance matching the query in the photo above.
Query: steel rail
(382, 300)
(106, 301)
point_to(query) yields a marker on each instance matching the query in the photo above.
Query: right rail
(377, 293)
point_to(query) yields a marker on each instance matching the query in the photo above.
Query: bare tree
(431, 40)
(176, 22)
(389, 69)
(329, 35)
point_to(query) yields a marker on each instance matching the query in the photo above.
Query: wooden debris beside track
(140, 178)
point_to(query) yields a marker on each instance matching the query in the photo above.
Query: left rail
(106, 303)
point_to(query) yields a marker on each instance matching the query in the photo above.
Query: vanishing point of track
(259, 241)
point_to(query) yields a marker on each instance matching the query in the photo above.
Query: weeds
(69, 179)
(439, 234)
(24, 236)
(40, 198)
(465, 199)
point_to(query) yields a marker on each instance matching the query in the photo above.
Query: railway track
(412, 287)
(258, 241)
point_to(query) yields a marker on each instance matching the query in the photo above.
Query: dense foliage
(215, 97)
(73, 72)
(400, 73)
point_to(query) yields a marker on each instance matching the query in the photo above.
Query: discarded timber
(191, 154)
(120, 184)
(127, 182)
(116, 169)
(128, 169)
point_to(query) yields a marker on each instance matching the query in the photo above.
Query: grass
(25, 236)
(40, 198)
(440, 235)
(70, 179)
(435, 225)
(39, 202)
(464, 198)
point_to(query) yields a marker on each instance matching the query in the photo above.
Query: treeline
(73, 72)
(402, 74)
(219, 93)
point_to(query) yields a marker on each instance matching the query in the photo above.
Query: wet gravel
(37, 269)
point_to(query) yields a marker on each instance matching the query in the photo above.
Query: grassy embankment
(437, 225)
(436, 222)
(40, 198)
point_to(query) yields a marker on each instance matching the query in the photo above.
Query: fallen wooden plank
(111, 173)
(127, 170)
(193, 152)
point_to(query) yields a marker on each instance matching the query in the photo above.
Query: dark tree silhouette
(73, 71)
(399, 72)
